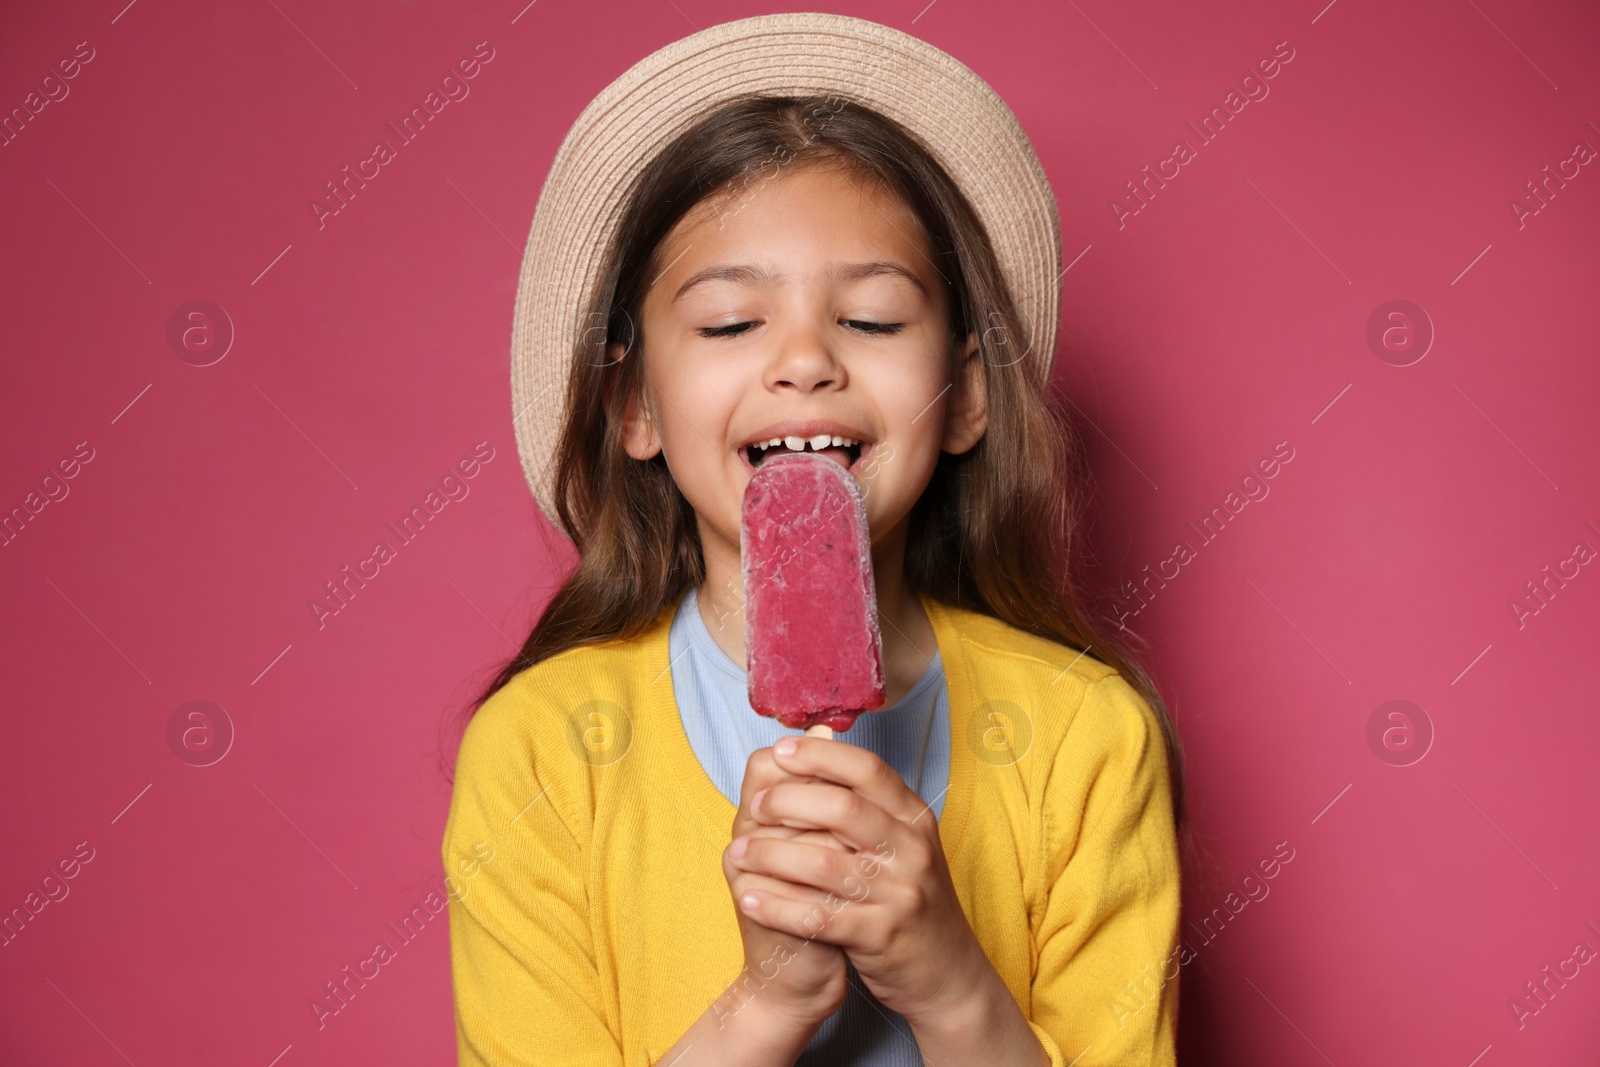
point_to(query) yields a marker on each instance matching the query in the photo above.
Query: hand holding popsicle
(801, 980)
(890, 902)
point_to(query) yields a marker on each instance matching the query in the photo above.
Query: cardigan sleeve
(522, 960)
(1105, 987)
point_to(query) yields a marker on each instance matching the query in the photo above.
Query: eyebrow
(750, 274)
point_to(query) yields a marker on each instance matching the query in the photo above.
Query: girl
(642, 869)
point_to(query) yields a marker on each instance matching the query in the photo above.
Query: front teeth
(817, 443)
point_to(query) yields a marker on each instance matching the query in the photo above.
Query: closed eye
(861, 326)
(877, 327)
(724, 331)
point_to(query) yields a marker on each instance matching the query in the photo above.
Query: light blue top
(912, 736)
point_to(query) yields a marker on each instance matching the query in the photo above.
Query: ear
(639, 436)
(967, 417)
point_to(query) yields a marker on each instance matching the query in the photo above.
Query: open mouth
(845, 455)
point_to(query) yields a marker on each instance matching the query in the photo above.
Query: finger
(755, 882)
(790, 833)
(852, 766)
(852, 818)
(742, 881)
(845, 874)
(825, 838)
(761, 771)
(833, 920)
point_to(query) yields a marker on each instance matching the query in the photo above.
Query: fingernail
(748, 902)
(739, 846)
(785, 747)
(755, 801)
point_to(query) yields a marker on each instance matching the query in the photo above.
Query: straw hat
(953, 112)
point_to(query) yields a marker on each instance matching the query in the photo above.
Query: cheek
(913, 398)
(909, 401)
(695, 403)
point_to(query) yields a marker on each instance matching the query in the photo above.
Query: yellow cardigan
(590, 923)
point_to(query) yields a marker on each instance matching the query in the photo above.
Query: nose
(804, 363)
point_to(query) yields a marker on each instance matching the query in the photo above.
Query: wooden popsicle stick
(820, 730)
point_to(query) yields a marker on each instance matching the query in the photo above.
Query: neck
(908, 639)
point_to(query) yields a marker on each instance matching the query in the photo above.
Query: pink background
(370, 356)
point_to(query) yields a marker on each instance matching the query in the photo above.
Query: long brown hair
(999, 529)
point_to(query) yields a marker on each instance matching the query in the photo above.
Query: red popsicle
(815, 656)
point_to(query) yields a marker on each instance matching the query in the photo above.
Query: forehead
(797, 220)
